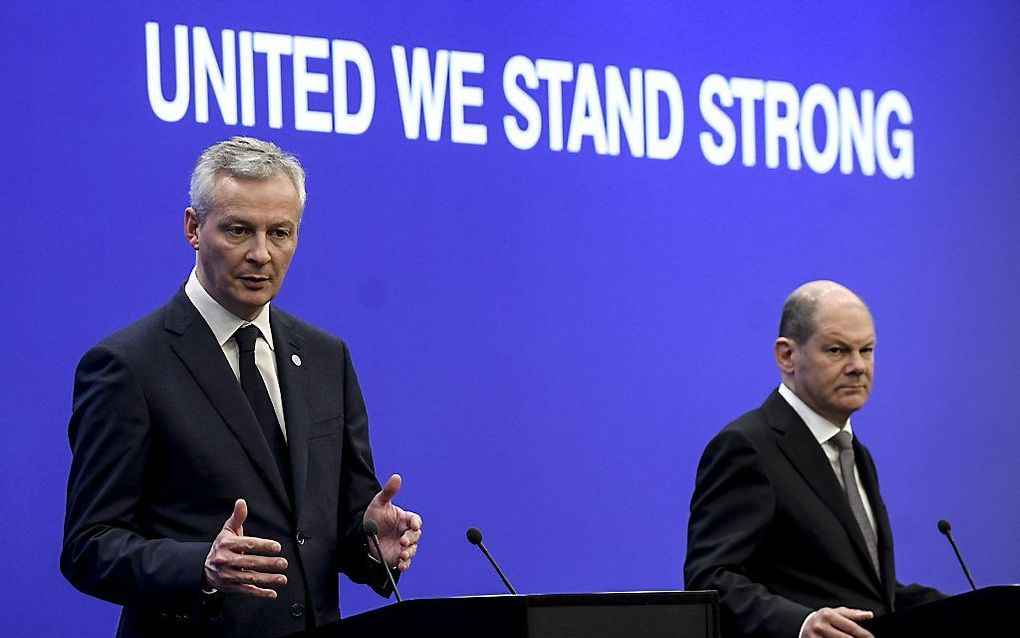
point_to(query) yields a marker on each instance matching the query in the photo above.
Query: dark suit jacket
(772, 529)
(163, 442)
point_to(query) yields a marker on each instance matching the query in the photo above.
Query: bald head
(800, 312)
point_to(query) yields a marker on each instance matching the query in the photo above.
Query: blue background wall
(546, 340)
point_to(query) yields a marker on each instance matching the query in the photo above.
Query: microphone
(474, 536)
(372, 531)
(944, 527)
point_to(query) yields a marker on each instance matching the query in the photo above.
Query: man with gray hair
(221, 473)
(787, 521)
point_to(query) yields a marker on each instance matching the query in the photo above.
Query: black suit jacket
(772, 529)
(164, 441)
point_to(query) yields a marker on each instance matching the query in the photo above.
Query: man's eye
(281, 233)
(237, 231)
(834, 350)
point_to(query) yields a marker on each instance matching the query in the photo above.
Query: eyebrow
(229, 219)
(845, 341)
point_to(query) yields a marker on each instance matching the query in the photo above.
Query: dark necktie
(255, 389)
(844, 442)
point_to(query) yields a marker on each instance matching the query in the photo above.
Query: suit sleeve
(914, 594)
(105, 552)
(732, 509)
(358, 485)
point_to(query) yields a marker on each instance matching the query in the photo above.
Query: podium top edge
(591, 598)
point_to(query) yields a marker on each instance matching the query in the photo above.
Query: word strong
(233, 79)
(823, 126)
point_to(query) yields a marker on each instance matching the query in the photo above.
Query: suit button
(301, 538)
(297, 610)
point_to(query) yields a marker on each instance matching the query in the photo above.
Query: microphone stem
(499, 571)
(382, 559)
(962, 564)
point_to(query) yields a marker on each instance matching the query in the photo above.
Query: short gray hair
(242, 158)
(798, 320)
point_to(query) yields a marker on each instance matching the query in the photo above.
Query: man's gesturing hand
(399, 530)
(243, 564)
(840, 622)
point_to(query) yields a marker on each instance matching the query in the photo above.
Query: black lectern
(984, 612)
(672, 614)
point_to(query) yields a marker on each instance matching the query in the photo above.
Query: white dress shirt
(224, 324)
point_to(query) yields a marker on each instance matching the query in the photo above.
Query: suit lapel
(197, 348)
(292, 372)
(869, 481)
(803, 452)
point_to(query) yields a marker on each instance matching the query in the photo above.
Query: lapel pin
(296, 359)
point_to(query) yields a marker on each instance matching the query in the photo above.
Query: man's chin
(248, 305)
(849, 405)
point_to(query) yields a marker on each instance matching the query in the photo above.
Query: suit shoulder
(307, 330)
(136, 338)
(751, 427)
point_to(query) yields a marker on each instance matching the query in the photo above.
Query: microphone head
(371, 527)
(944, 526)
(474, 535)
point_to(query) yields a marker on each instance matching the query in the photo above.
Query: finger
(853, 630)
(250, 544)
(258, 592)
(409, 538)
(409, 551)
(847, 618)
(403, 565)
(256, 563)
(857, 631)
(825, 630)
(390, 489)
(828, 631)
(237, 517)
(855, 614)
(248, 590)
(237, 577)
(822, 624)
(412, 520)
(840, 621)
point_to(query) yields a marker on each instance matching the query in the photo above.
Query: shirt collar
(222, 322)
(821, 428)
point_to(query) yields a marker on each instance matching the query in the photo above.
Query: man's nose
(258, 249)
(856, 364)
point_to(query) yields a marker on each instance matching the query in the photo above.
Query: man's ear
(191, 226)
(784, 350)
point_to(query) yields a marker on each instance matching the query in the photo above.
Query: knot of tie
(844, 440)
(246, 338)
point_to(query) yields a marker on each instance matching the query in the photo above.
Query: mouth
(255, 282)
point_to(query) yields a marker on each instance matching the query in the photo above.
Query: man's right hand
(840, 622)
(242, 564)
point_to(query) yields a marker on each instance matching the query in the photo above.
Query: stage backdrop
(557, 237)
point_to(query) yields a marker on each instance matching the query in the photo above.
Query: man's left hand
(399, 530)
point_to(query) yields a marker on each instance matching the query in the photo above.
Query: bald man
(787, 521)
